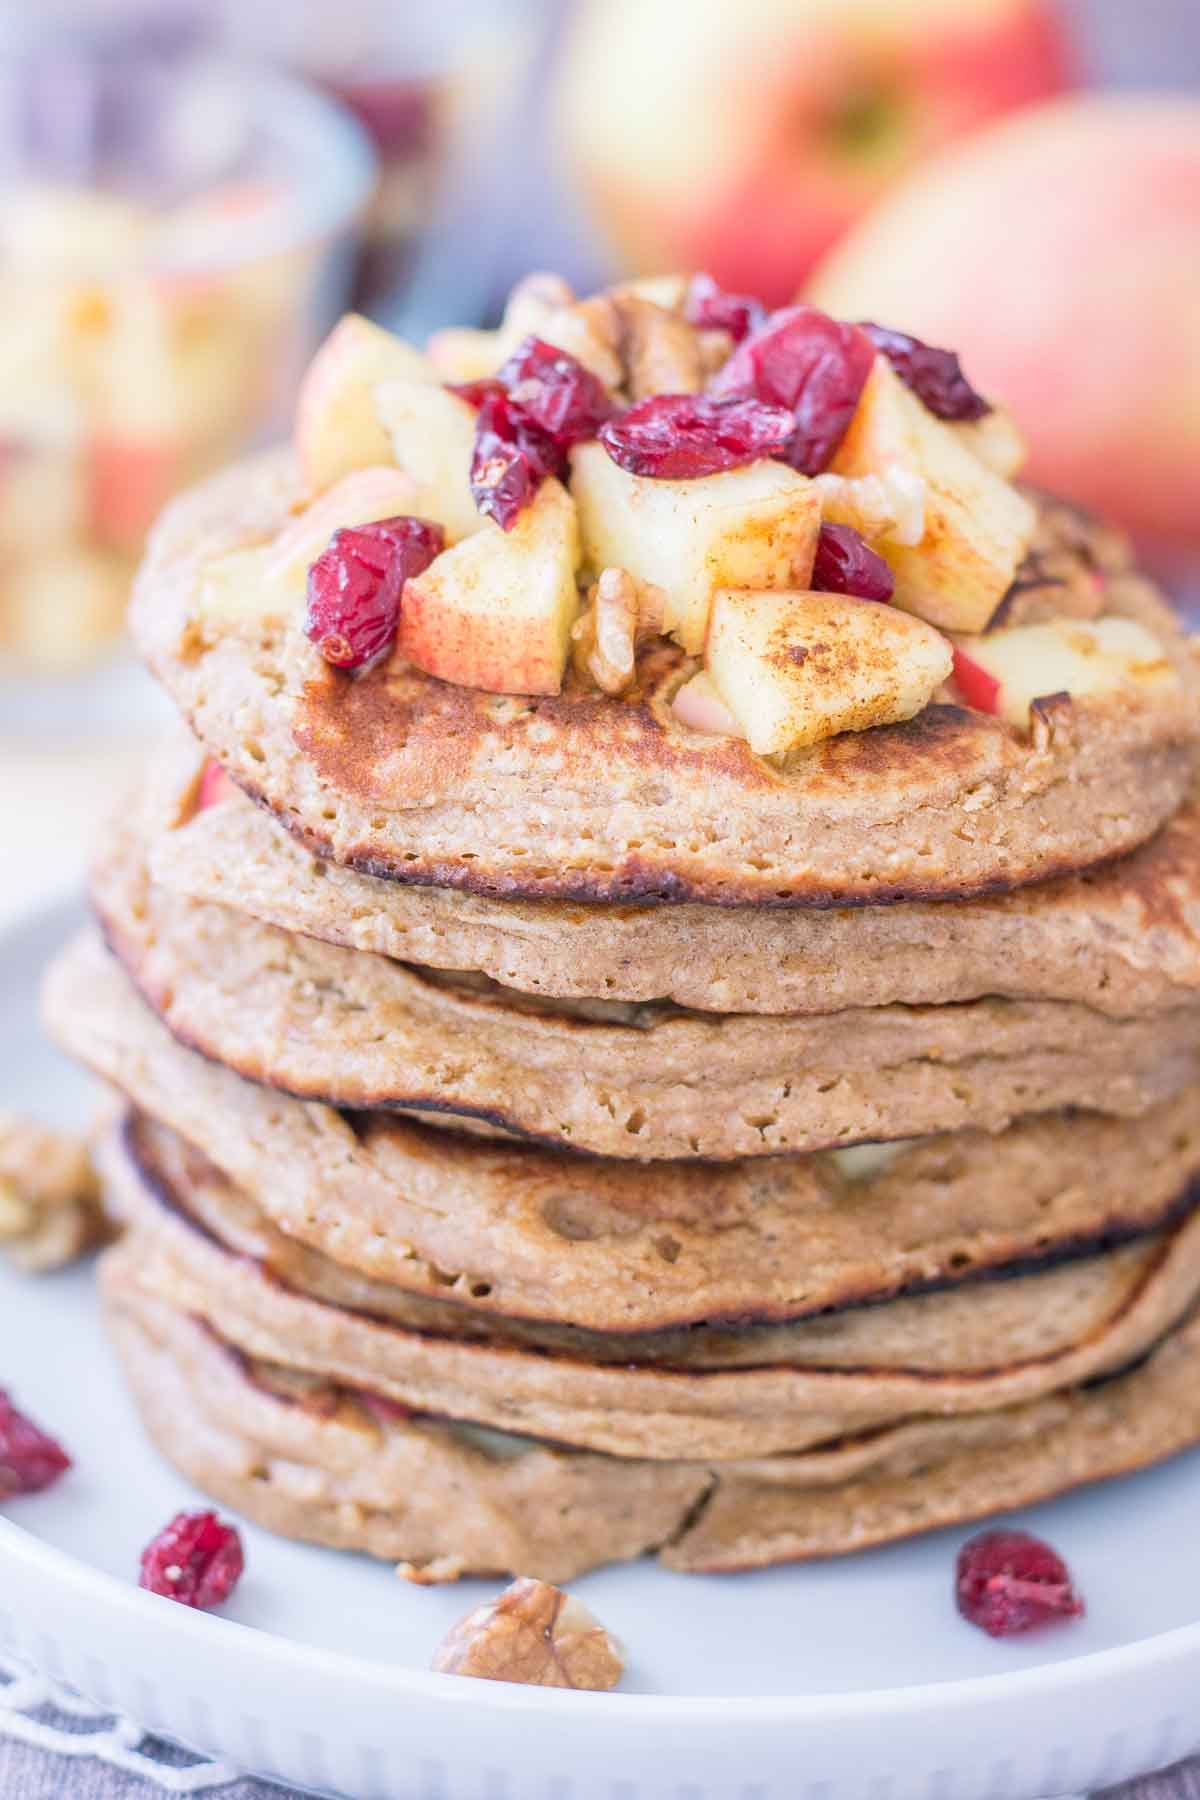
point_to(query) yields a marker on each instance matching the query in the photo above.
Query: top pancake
(585, 797)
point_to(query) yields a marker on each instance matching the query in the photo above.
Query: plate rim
(1104, 1693)
(1005, 1687)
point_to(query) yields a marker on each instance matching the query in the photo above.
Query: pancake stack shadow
(488, 1231)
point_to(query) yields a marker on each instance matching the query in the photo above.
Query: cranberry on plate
(1009, 1582)
(196, 1559)
(30, 1460)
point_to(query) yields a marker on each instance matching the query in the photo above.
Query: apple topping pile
(822, 514)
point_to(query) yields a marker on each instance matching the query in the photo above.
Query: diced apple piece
(890, 506)
(797, 667)
(463, 354)
(977, 527)
(215, 786)
(432, 437)
(585, 330)
(699, 706)
(495, 611)
(995, 440)
(357, 499)
(268, 581)
(1006, 671)
(337, 427)
(754, 528)
(238, 588)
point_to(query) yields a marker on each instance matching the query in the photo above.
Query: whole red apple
(744, 136)
(1058, 252)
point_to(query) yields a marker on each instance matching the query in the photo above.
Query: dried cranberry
(935, 376)
(512, 458)
(1007, 1582)
(708, 306)
(355, 584)
(814, 366)
(554, 391)
(196, 1559)
(677, 437)
(475, 392)
(214, 785)
(29, 1460)
(846, 564)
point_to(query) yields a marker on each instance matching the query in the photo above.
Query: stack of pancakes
(553, 1135)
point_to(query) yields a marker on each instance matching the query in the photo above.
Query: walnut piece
(621, 614)
(536, 1634)
(50, 1211)
(660, 351)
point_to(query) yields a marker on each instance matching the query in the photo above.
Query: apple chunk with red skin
(1006, 671)
(796, 667)
(337, 429)
(754, 527)
(268, 580)
(495, 611)
(977, 526)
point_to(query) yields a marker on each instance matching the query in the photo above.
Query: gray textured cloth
(56, 1746)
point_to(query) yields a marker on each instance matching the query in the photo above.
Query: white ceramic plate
(850, 1680)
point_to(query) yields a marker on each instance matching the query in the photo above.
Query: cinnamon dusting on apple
(665, 460)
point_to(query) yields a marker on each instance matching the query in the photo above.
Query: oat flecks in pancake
(613, 1246)
(951, 1353)
(321, 1464)
(1124, 939)
(404, 777)
(650, 1083)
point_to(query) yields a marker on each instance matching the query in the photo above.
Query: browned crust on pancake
(572, 797)
(1124, 939)
(1106, 1314)
(362, 1032)
(615, 1247)
(332, 1472)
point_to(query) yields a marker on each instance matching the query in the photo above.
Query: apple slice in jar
(794, 668)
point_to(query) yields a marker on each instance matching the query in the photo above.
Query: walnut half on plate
(50, 1210)
(532, 1633)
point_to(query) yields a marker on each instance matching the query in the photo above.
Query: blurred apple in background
(744, 136)
(1060, 253)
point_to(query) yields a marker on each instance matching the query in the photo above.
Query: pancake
(584, 797)
(335, 1467)
(788, 1388)
(1123, 939)
(606, 1246)
(642, 1082)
